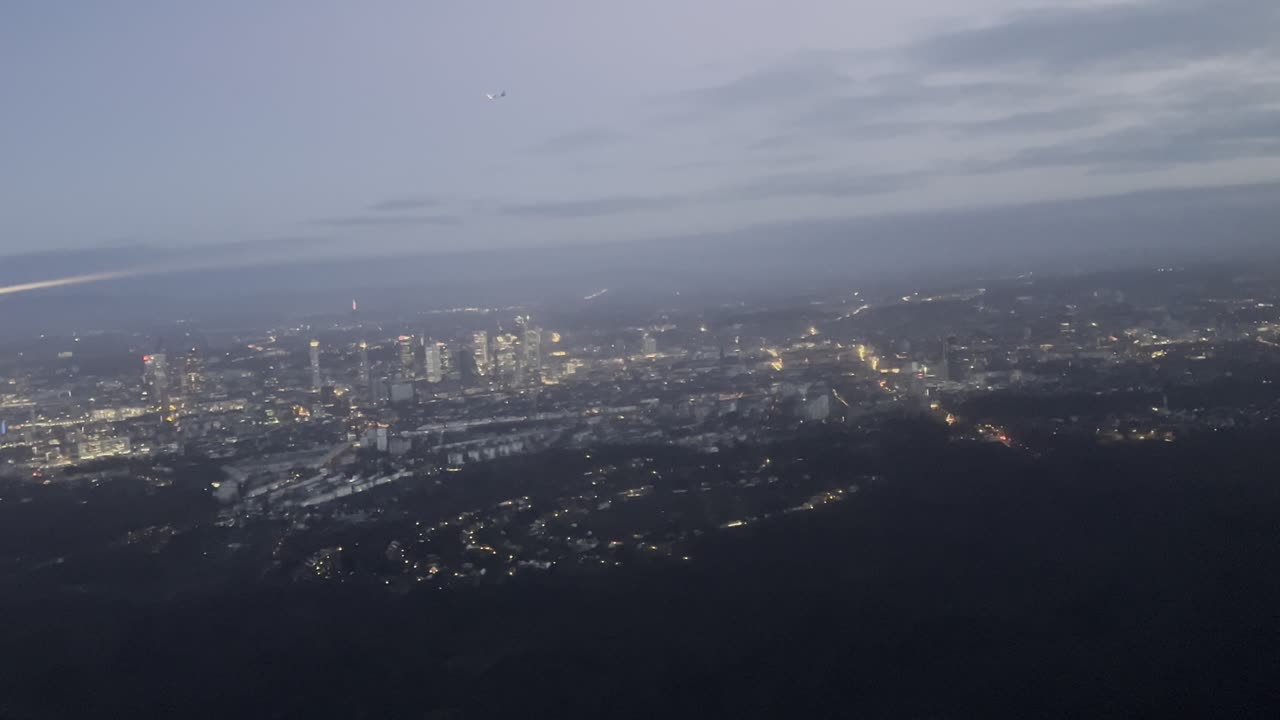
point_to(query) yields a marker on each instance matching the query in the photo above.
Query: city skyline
(577, 358)
(717, 454)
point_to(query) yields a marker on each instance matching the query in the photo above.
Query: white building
(433, 361)
(480, 351)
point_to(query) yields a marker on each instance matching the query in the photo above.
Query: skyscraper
(433, 361)
(192, 380)
(364, 379)
(945, 371)
(648, 345)
(451, 362)
(316, 380)
(506, 358)
(531, 351)
(155, 381)
(405, 344)
(480, 351)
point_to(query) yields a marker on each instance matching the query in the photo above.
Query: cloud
(816, 93)
(895, 96)
(823, 184)
(818, 184)
(1023, 74)
(268, 243)
(897, 106)
(1036, 121)
(799, 77)
(375, 221)
(1155, 31)
(1227, 88)
(700, 164)
(1035, 89)
(774, 142)
(1190, 138)
(785, 149)
(407, 203)
(584, 139)
(597, 207)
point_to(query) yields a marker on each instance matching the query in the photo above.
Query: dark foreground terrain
(975, 581)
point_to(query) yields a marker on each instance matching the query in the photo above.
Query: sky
(315, 127)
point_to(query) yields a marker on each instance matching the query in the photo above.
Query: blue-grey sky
(301, 126)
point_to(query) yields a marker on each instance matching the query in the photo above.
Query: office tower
(945, 370)
(522, 370)
(433, 361)
(506, 358)
(316, 380)
(480, 352)
(405, 346)
(648, 345)
(378, 436)
(531, 351)
(451, 362)
(364, 379)
(192, 380)
(155, 381)
(381, 390)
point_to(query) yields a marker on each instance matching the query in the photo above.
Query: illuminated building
(648, 345)
(155, 381)
(505, 358)
(103, 447)
(450, 363)
(528, 351)
(316, 380)
(433, 361)
(532, 354)
(480, 352)
(116, 414)
(192, 380)
(364, 378)
(944, 368)
(405, 345)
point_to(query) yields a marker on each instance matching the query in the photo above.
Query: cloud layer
(1123, 88)
(788, 113)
